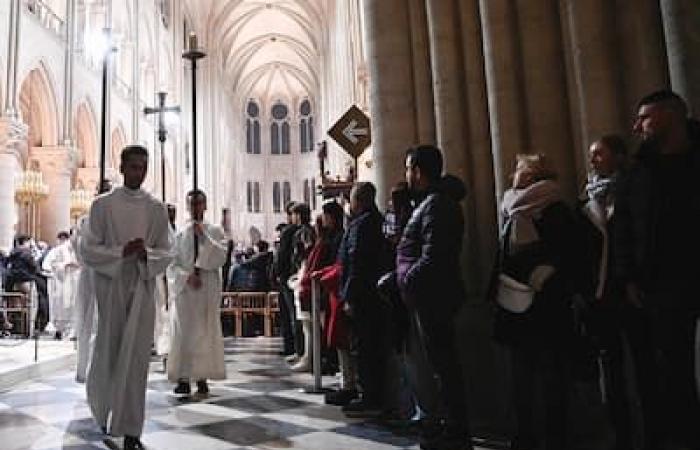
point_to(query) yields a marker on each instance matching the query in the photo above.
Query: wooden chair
(17, 307)
(241, 305)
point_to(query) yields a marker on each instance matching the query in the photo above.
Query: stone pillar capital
(13, 137)
(59, 159)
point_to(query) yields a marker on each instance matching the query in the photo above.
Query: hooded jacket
(427, 257)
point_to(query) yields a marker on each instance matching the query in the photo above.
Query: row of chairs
(18, 308)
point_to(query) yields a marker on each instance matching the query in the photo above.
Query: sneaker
(358, 408)
(202, 387)
(291, 359)
(183, 388)
(340, 398)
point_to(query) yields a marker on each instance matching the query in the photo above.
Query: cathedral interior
(483, 80)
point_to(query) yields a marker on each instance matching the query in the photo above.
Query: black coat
(643, 228)
(283, 258)
(549, 319)
(427, 257)
(361, 254)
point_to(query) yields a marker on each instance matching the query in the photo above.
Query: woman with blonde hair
(534, 254)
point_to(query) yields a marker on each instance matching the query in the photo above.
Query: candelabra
(31, 190)
(80, 200)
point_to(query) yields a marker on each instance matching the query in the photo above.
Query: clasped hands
(135, 247)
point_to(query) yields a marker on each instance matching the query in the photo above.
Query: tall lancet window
(306, 127)
(253, 196)
(286, 193)
(252, 128)
(276, 197)
(279, 130)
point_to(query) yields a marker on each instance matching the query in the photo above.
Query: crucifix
(162, 131)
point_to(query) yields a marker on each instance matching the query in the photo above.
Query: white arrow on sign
(351, 133)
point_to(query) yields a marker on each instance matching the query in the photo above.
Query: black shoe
(58, 336)
(340, 398)
(133, 443)
(447, 441)
(183, 388)
(202, 387)
(359, 408)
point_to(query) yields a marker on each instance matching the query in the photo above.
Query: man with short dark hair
(361, 256)
(283, 270)
(127, 246)
(656, 248)
(429, 277)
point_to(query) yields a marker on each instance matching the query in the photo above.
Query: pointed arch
(118, 141)
(38, 106)
(86, 134)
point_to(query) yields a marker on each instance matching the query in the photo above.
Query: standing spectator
(21, 268)
(536, 250)
(656, 247)
(429, 278)
(283, 270)
(302, 243)
(361, 255)
(613, 319)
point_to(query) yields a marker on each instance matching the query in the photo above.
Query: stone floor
(259, 406)
(17, 359)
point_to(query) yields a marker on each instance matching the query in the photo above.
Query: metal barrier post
(317, 388)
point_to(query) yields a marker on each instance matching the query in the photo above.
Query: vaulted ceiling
(269, 48)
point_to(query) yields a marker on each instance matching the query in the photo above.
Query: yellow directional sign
(352, 131)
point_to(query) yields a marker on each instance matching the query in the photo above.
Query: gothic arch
(38, 107)
(118, 142)
(86, 135)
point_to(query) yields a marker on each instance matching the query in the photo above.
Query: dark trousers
(369, 324)
(287, 318)
(533, 364)
(613, 323)
(674, 338)
(438, 333)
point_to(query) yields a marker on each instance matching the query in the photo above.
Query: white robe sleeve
(160, 254)
(212, 249)
(102, 258)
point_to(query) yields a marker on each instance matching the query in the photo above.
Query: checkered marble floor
(259, 406)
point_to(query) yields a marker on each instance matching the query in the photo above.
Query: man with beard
(657, 244)
(429, 277)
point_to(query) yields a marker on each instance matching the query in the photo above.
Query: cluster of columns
(488, 79)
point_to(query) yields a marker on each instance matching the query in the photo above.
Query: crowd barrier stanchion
(317, 387)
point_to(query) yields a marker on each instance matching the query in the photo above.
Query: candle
(192, 41)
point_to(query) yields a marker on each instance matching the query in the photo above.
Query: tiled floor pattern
(259, 406)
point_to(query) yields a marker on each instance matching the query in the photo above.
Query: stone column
(135, 72)
(643, 55)
(422, 78)
(544, 80)
(593, 71)
(681, 20)
(12, 58)
(391, 90)
(481, 197)
(13, 150)
(57, 165)
(503, 67)
(447, 68)
(68, 73)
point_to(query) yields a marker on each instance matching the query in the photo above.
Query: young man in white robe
(62, 268)
(85, 316)
(127, 247)
(197, 347)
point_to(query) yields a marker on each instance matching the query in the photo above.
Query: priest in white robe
(62, 268)
(85, 313)
(127, 247)
(197, 346)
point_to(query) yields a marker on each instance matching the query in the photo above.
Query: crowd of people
(576, 287)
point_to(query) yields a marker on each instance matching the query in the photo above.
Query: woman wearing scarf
(535, 251)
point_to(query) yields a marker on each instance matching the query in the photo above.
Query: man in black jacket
(657, 244)
(361, 256)
(283, 270)
(429, 277)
